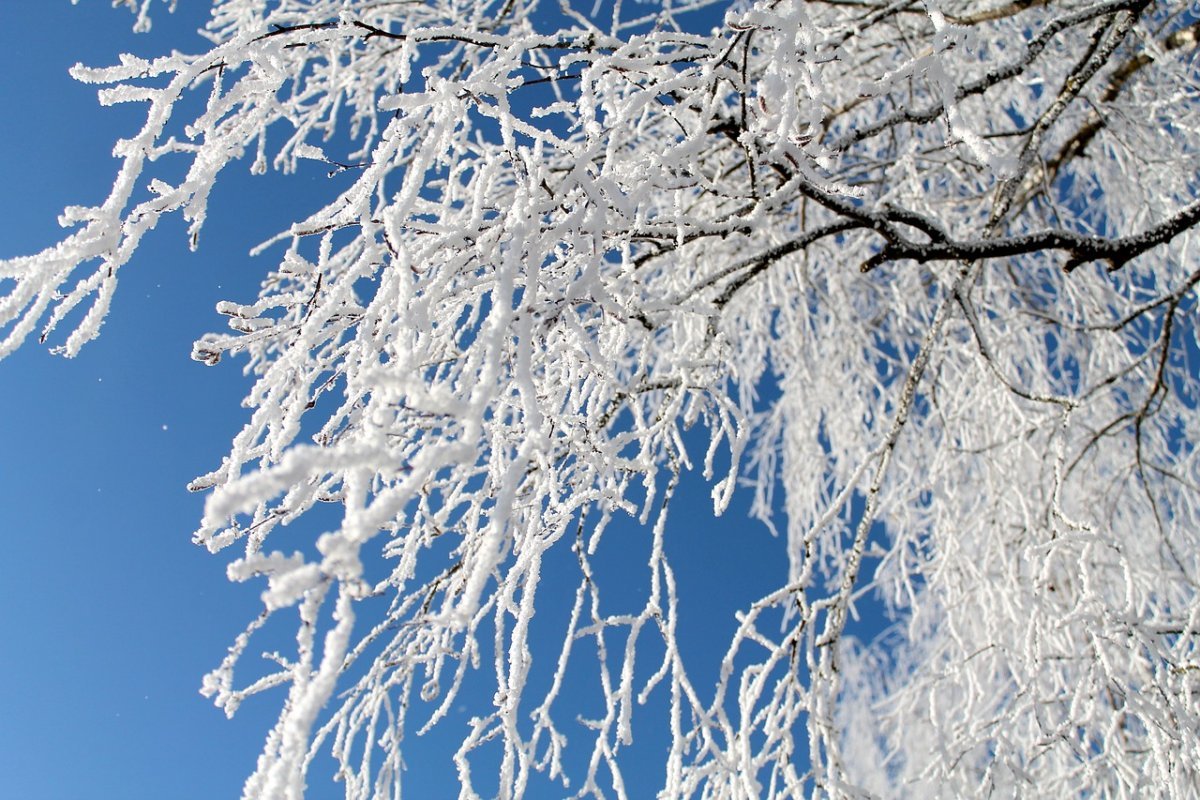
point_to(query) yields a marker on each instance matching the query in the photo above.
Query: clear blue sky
(109, 616)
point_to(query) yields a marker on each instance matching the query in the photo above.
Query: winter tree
(918, 275)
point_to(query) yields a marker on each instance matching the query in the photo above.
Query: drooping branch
(564, 261)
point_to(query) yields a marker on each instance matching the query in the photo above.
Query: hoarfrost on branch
(922, 273)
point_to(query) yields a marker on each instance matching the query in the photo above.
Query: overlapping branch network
(851, 241)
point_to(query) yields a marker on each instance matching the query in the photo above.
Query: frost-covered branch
(573, 253)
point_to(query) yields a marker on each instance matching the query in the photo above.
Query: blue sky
(109, 616)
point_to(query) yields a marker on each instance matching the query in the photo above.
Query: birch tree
(919, 275)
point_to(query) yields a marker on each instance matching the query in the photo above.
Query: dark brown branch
(1105, 40)
(1080, 249)
(1032, 50)
(283, 30)
(1078, 143)
(756, 265)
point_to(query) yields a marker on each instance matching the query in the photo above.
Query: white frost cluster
(922, 271)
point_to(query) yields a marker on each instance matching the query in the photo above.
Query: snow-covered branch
(576, 252)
